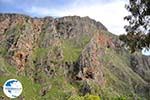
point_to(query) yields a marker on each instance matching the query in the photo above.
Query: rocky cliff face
(141, 65)
(70, 56)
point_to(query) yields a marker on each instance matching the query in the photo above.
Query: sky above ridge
(108, 12)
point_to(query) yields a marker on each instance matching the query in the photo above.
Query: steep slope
(69, 57)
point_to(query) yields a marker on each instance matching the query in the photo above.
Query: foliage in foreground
(138, 30)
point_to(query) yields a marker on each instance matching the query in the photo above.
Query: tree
(138, 30)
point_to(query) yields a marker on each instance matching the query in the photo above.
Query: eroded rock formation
(61, 53)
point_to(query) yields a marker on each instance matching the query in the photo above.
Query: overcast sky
(108, 12)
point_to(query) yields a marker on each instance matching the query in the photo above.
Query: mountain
(69, 58)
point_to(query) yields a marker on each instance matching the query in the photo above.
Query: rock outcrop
(141, 65)
(72, 55)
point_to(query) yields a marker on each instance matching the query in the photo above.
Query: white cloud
(40, 11)
(110, 14)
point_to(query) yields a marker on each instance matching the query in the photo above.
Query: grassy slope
(118, 79)
(60, 89)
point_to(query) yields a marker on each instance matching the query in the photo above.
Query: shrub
(91, 97)
(86, 97)
(76, 98)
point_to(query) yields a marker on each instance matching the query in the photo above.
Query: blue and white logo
(12, 88)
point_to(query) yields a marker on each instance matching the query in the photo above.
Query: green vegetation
(59, 87)
(29, 88)
(118, 76)
(6, 68)
(46, 71)
(86, 97)
(16, 30)
(72, 47)
(3, 50)
(71, 53)
(40, 53)
(138, 32)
